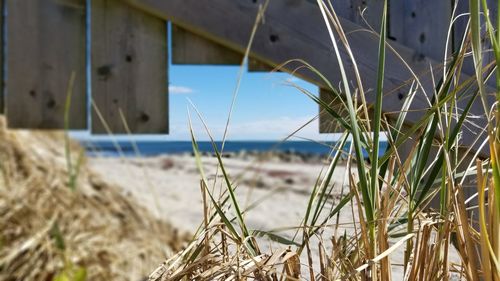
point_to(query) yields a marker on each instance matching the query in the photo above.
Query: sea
(155, 148)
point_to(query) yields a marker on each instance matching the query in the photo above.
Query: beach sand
(170, 186)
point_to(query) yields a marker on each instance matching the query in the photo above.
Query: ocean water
(153, 148)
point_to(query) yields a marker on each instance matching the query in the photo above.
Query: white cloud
(182, 90)
(276, 128)
(259, 129)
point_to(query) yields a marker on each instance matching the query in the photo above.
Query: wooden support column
(421, 25)
(459, 31)
(129, 69)
(46, 44)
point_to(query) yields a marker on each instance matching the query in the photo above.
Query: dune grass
(390, 194)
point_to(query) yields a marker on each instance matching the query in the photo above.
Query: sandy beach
(276, 190)
(169, 186)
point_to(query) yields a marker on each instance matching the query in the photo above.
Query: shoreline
(304, 149)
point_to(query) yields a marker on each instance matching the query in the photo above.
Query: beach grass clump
(49, 231)
(413, 203)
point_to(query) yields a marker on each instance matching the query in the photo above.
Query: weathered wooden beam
(46, 44)
(189, 48)
(129, 69)
(255, 65)
(295, 30)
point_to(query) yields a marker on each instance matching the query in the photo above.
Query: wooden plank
(255, 65)
(295, 29)
(129, 69)
(189, 48)
(365, 13)
(46, 44)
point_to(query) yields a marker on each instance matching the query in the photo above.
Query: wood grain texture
(129, 69)
(294, 29)
(189, 48)
(46, 43)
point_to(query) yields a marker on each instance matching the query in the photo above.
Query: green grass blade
(326, 182)
(274, 237)
(377, 117)
(393, 133)
(438, 165)
(199, 165)
(253, 249)
(72, 173)
(355, 129)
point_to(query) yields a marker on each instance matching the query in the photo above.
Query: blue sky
(265, 109)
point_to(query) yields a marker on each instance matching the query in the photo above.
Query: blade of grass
(229, 185)
(199, 165)
(368, 201)
(73, 170)
(377, 116)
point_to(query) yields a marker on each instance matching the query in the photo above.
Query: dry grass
(221, 253)
(49, 232)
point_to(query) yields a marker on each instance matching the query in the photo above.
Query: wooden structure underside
(128, 54)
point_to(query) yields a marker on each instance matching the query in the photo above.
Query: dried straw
(48, 231)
